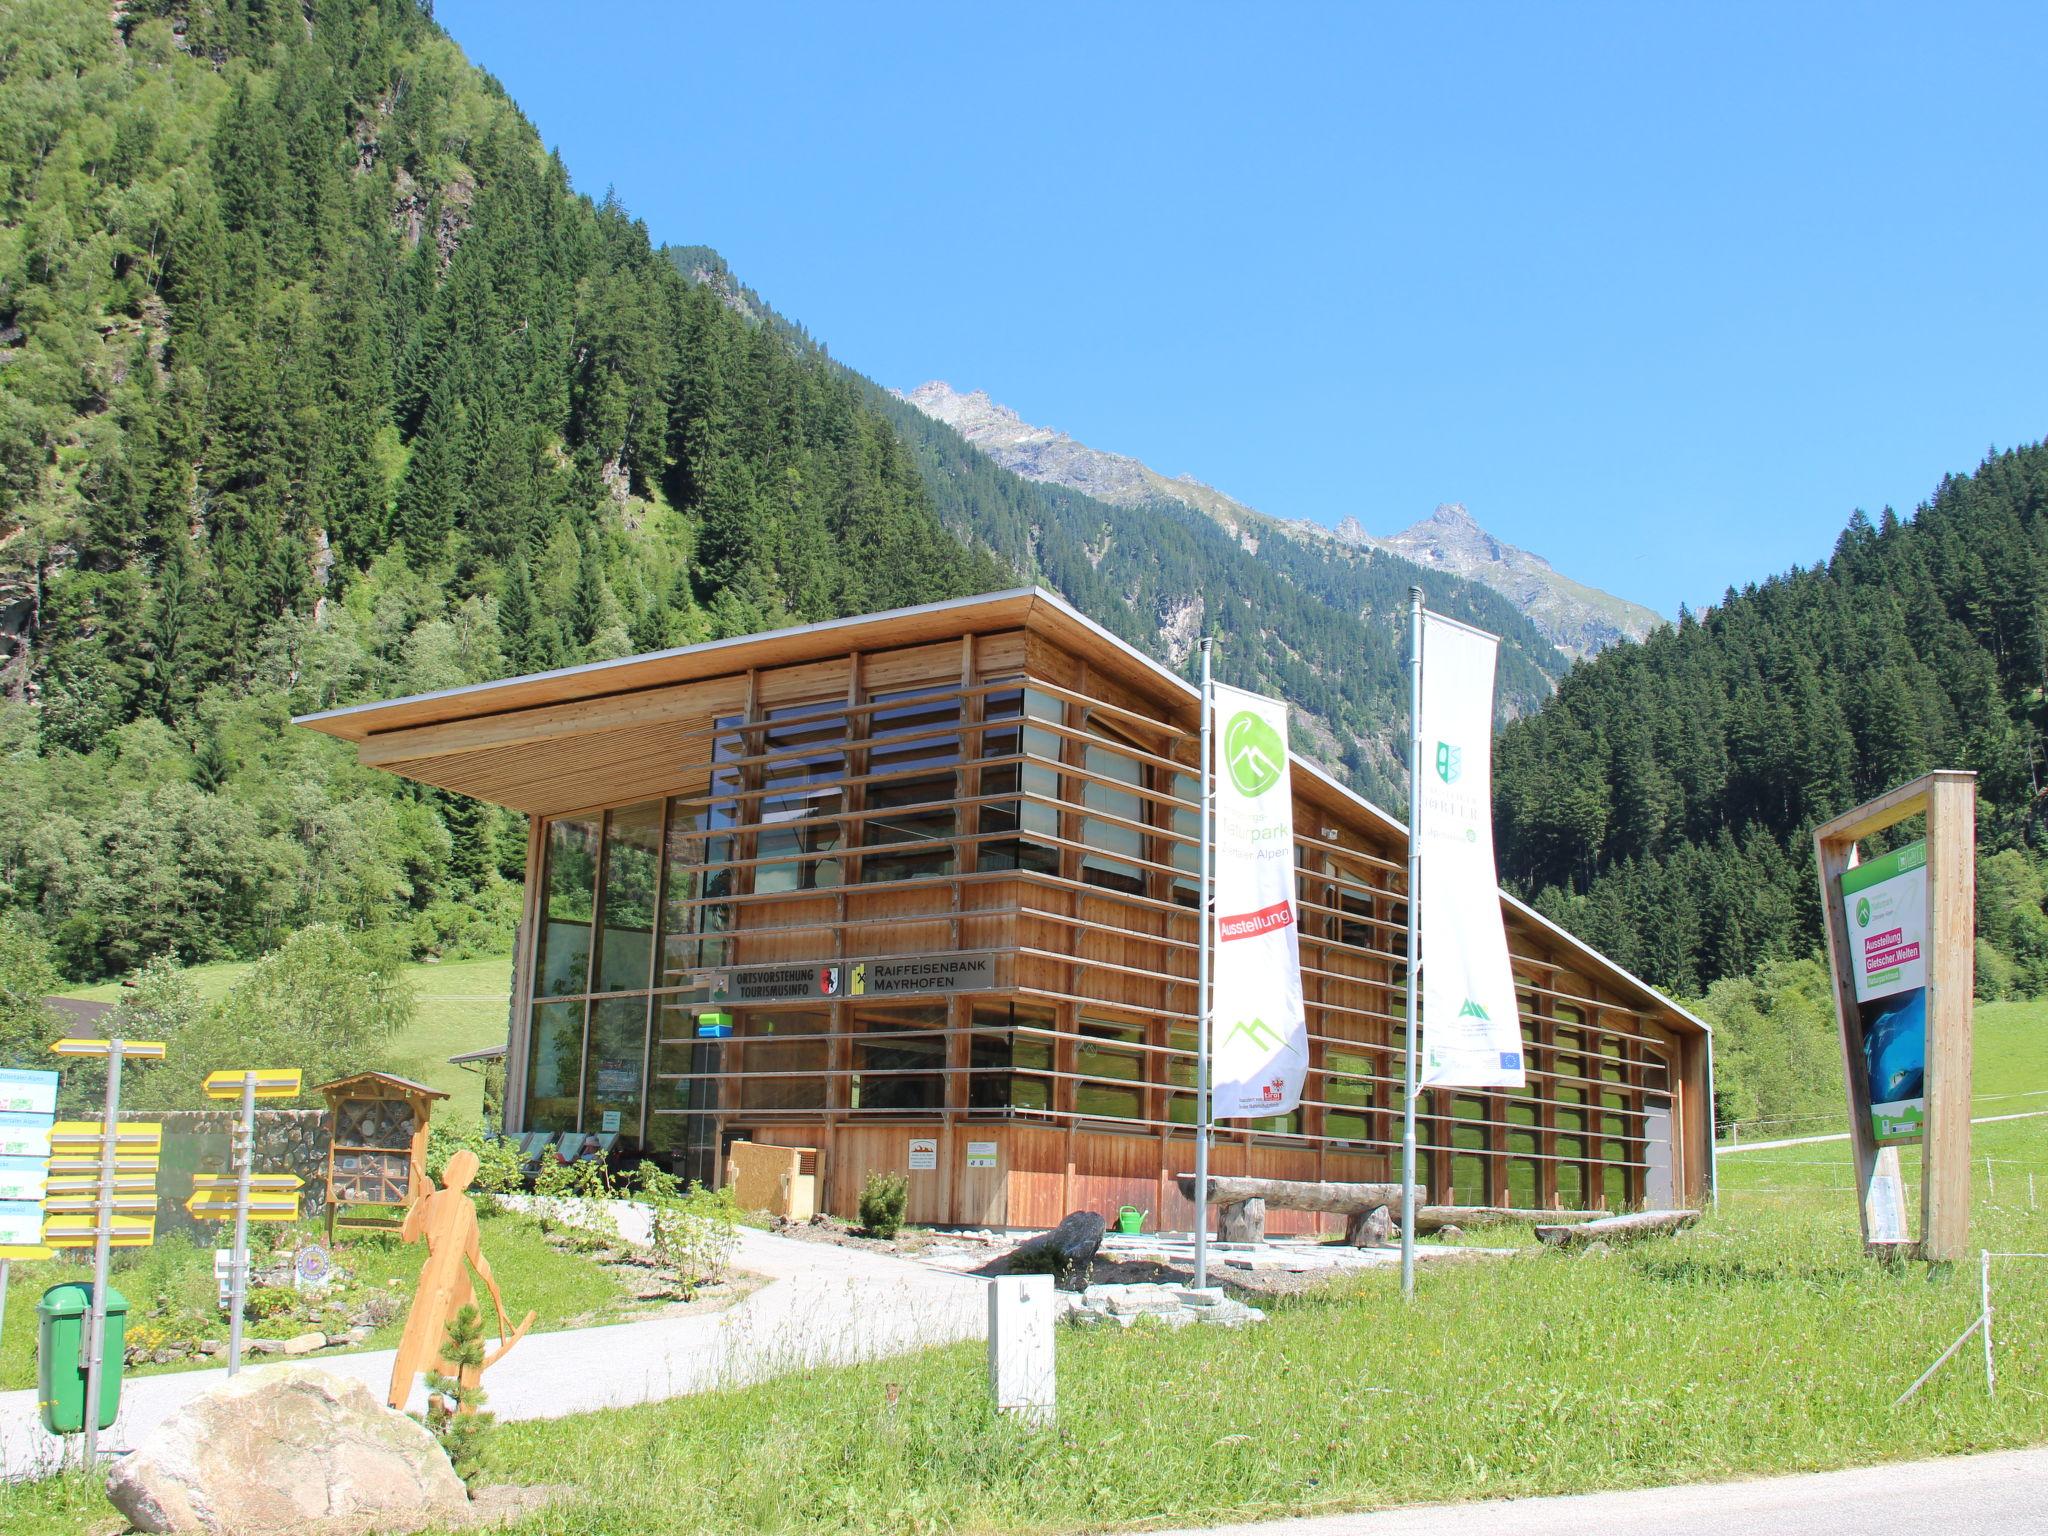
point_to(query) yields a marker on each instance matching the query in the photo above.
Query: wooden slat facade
(999, 780)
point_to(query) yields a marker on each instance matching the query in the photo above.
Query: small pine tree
(455, 1413)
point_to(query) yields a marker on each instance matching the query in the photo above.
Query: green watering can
(1130, 1221)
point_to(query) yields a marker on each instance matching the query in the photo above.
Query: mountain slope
(1662, 804)
(1295, 614)
(1579, 620)
(318, 382)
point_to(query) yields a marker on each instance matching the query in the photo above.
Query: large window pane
(1350, 1122)
(568, 899)
(897, 1054)
(778, 1042)
(802, 784)
(632, 864)
(612, 1074)
(1099, 1056)
(1111, 844)
(1008, 1066)
(1033, 816)
(694, 914)
(554, 1074)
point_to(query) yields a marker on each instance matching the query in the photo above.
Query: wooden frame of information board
(1948, 800)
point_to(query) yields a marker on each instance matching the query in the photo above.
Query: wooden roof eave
(1029, 608)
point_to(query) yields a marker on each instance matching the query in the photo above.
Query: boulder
(1065, 1252)
(286, 1449)
(1369, 1229)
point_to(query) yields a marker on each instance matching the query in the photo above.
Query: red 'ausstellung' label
(1249, 925)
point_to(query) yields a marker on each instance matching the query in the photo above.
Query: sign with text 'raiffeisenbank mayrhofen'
(1885, 904)
(1260, 1047)
(1471, 1029)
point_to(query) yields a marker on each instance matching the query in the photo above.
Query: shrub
(497, 1171)
(882, 1200)
(694, 1233)
(267, 1301)
(454, 1408)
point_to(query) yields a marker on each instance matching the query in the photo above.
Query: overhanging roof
(514, 742)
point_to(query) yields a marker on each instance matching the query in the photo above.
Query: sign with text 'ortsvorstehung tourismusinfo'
(1471, 1029)
(1261, 1028)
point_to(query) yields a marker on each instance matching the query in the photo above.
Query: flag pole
(1206, 904)
(1414, 968)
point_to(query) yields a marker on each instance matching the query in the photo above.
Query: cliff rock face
(1579, 620)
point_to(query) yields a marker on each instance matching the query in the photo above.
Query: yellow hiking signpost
(97, 1211)
(245, 1194)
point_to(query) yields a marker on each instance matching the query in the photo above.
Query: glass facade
(651, 917)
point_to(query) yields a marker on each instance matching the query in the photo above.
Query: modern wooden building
(916, 890)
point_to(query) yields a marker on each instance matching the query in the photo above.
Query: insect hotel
(377, 1148)
(918, 890)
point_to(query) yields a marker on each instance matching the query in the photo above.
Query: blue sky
(1660, 292)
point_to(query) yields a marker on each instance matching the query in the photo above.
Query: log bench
(1617, 1229)
(1243, 1202)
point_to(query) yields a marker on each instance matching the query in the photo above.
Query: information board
(1885, 904)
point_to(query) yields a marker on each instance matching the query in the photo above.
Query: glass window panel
(1522, 1182)
(1614, 1186)
(897, 1054)
(913, 811)
(569, 888)
(693, 918)
(779, 1042)
(632, 861)
(554, 1074)
(1006, 1065)
(1035, 779)
(1093, 1058)
(1111, 844)
(611, 1076)
(1571, 1183)
(1468, 1180)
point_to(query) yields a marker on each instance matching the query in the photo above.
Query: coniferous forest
(318, 382)
(1662, 805)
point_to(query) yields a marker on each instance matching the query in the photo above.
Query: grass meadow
(1761, 1343)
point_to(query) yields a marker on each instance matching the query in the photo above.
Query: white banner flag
(1471, 1034)
(1260, 1029)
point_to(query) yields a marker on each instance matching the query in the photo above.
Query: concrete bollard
(1020, 1346)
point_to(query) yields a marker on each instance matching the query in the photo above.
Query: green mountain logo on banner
(1450, 762)
(1862, 911)
(1253, 754)
(1472, 1010)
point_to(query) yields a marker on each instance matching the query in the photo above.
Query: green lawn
(170, 1290)
(462, 1006)
(1763, 1342)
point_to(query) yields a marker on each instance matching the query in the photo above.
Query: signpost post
(1902, 958)
(278, 1204)
(103, 1216)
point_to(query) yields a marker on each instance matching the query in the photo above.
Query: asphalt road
(2004, 1494)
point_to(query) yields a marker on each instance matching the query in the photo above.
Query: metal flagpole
(1414, 966)
(1207, 903)
(96, 1328)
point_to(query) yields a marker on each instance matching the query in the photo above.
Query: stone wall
(197, 1141)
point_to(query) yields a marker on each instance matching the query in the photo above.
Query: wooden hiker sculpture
(447, 1220)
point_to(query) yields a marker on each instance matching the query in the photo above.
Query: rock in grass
(1065, 1252)
(286, 1449)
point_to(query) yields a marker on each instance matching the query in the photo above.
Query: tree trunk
(1303, 1194)
(1432, 1218)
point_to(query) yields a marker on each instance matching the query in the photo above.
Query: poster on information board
(1885, 904)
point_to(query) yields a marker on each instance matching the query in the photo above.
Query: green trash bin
(62, 1317)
